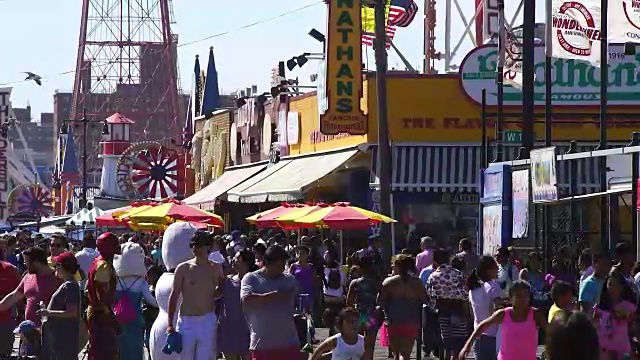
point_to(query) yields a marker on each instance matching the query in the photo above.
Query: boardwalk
(380, 354)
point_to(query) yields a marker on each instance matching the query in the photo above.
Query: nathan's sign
(316, 137)
(344, 71)
(575, 83)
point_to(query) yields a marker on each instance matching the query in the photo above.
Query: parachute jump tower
(127, 64)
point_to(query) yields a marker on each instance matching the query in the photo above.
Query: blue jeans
(431, 338)
(485, 348)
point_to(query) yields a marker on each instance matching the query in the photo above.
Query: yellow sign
(344, 71)
(311, 139)
(435, 109)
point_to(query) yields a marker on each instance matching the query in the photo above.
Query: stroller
(303, 324)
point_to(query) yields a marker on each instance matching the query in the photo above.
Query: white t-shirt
(339, 292)
(481, 299)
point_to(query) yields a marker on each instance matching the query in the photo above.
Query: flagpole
(384, 148)
(500, 81)
(548, 110)
(604, 81)
(548, 68)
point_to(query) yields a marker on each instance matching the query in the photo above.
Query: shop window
(254, 145)
(238, 148)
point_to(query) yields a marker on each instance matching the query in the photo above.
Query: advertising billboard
(520, 203)
(544, 178)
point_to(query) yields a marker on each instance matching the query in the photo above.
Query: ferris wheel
(33, 199)
(147, 169)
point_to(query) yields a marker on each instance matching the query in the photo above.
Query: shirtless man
(199, 283)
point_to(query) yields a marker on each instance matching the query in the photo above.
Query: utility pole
(84, 122)
(528, 62)
(384, 148)
(606, 243)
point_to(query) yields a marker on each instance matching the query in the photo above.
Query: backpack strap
(127, 289)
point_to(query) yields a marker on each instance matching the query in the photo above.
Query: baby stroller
(303, 324)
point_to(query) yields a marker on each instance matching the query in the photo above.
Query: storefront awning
(456, 167)
(235, 194)
(431, 168)
(232, 176)
(288, 182)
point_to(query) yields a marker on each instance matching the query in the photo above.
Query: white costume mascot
(175, 250)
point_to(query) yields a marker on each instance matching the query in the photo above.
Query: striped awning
(446, 168)
(85, 217)
(456, 167)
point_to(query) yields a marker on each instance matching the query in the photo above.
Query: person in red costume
(101, 288)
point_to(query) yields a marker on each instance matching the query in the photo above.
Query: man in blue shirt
(10, 255)
(591, 287)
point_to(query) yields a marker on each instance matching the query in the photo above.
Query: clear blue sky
(37, 40)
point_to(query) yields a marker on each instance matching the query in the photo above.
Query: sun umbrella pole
(341, 247)
(393, 226)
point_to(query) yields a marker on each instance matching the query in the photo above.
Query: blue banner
(495, 217)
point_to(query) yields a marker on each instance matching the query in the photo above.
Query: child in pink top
(519, 326)
(614, 315)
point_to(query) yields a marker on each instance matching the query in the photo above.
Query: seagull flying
(35, 77)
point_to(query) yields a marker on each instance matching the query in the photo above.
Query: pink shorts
(291, 353)
(410, 331)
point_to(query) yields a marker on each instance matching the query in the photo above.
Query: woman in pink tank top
(519, 326)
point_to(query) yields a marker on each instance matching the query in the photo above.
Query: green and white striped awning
(85, 217)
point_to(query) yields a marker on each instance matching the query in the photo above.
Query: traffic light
(4, 130)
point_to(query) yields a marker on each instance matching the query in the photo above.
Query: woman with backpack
(131, 289)
(334, 281)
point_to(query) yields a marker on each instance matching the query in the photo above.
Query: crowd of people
(190, 294)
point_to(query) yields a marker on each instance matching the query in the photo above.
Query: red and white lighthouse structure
(113, 146)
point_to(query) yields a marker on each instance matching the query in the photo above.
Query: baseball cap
(25, 327)
(66, 259)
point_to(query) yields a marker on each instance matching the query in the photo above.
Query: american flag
(402, 12)
(368, 26)
(368, 38)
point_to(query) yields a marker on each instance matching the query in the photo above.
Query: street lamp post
(64, 131)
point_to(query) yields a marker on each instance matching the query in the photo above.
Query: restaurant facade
(322, 145)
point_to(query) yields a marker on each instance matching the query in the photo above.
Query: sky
(249, 38)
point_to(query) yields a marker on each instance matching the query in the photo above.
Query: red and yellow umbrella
(269, 218)
(172, 211)
(288, 221)
(117, 217)
(341, 216)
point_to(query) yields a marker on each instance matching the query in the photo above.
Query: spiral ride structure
(148, 170)
(31, 199)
